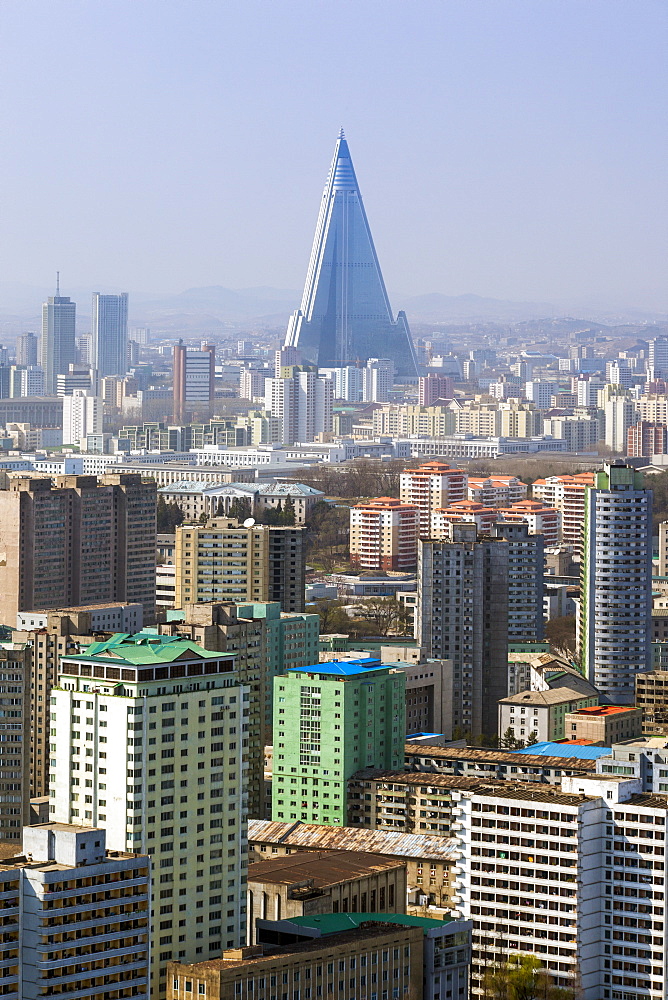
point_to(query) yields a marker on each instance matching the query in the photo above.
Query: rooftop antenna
(342, 134)
(57, 282)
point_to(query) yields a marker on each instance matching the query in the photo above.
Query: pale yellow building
(409, 421)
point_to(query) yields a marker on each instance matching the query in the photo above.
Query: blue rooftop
(566, 750)
(344, 668)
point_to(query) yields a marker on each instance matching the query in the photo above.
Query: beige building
(428, 857)
(77, 540)
(541, 713)
(520, 420)
(311, 882)
(227, 561)
(336, 965)
(479, 419)
(604, 724)
(384, 535)
(400, 420)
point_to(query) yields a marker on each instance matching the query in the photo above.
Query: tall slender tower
(110, 334)
(58, 349)
(345, 313)
(614, 627)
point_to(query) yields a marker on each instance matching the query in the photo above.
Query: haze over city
(514, 151)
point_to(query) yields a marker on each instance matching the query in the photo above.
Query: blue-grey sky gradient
(510, 148)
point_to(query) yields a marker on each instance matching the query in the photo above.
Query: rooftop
(334, 923)
(344, 668)
(604, 710)
(515, 788)
(532, 756)
(320, 868)
(311, 836)
(577, 754)
(146, 650)
(554, 696)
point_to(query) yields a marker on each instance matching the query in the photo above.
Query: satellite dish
(249, 522)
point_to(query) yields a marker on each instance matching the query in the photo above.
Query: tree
(560, 633)
(168, 516)
(332, 617)
(533, 738)
(289, 516)
(240, 509)
(382, 612)
(523, 977)
(509, 741)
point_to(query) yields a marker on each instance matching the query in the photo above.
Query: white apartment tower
(148, 741)
(431, 487)
(614, 626)
(82, 415)
(303, 402)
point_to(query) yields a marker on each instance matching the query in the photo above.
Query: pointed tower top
(342, 134)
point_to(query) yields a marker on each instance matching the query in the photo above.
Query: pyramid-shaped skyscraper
(345, 315)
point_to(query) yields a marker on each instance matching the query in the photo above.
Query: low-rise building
(310, 882)
(652, 698)
(541, 714)
(604, 724)
(428, 857)
(502, 764)
(341, 965)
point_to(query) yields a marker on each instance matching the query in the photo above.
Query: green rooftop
(334, 923)
(145, 649)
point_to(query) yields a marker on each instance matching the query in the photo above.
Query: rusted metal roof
(497, 757)
(309, 836)
(320, 868)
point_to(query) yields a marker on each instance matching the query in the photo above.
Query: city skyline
(515, 133)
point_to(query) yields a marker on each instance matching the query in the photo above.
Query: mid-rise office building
(67, 901)
(432, 486)
(148, 742)
(76, 377)
(384, 535)
(614, 633)
(347, 716)
(225, 561)
(110, 334)
(194, 380)
(26, 380)
(541, 714)
(75, 541)
(57, 350)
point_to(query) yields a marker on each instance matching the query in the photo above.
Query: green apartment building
(330, 720)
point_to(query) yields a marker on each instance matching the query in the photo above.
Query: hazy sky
(512, 148)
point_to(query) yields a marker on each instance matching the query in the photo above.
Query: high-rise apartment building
(149, 742)
(76, 917)
(462, 615)
(657, 361)
(77, 540)
(566, 494)
(431, 388)
(348, 716)
(526, 568)
(384, 535)
(82, 415)
(303, 402)
(26, 349)
(225, 561)
(251, 382)
(110, 334)
(645, 439)
(194, 380)
(540, 393)
(614, 624)
(58, 350)
(345, 312)
(15, 736)
(619, 414)
(432, 486)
